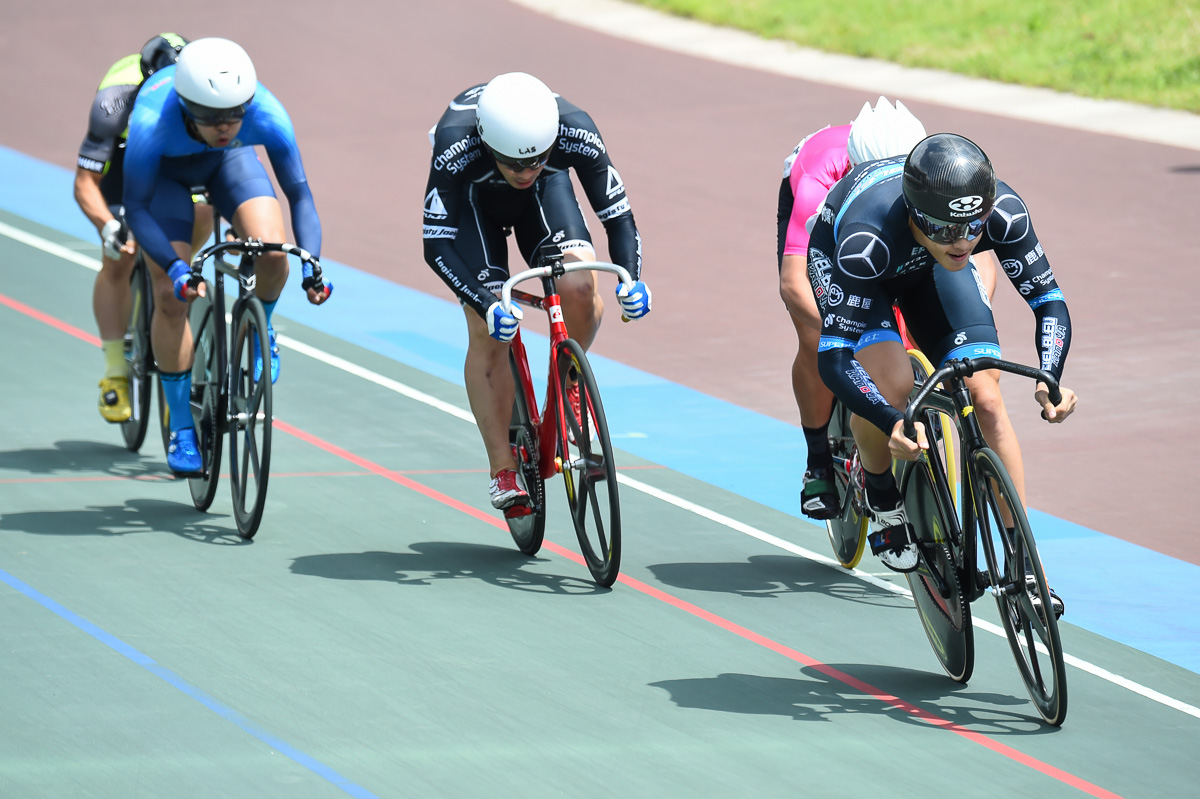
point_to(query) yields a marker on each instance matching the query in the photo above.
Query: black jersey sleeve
(455, 146)
(107, 122)
(583, 149)
(1010, 231)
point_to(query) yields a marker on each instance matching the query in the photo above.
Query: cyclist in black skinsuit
(902, 230)
(98, 191)
(501, 159)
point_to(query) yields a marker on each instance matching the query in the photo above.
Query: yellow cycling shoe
(114, 399)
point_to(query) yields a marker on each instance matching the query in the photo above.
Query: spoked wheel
(139, 356)
(1032, 632)
(250, 418)
(208, 403)
(936, 583)
(588, 468)
(526, 524)
(848, 530)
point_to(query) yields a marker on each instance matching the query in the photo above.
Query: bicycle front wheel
(588, 468)
(250, 420)
(936, 584)
(848, 530)
(139, 357)
(1033, 633)
(527, 525)
(207, 399)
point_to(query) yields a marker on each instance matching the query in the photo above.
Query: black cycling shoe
(818, 498)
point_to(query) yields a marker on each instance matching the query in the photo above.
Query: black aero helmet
(159, 52)
(949, 187)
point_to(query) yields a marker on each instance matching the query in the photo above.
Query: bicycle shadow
(772, 576)
(134, 517)
(70, 457)
(819, 696)
(431, 562)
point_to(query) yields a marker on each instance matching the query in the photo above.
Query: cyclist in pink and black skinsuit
(819, 161)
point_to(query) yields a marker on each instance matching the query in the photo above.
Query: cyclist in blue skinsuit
(193, 125)
(902, 230)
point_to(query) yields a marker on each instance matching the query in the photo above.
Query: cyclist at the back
(99, 181)
(819, 161)
(194, 124)
(501, 159)
(902, 230)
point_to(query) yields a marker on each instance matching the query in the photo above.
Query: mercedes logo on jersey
(863, 255)
(1009, 221)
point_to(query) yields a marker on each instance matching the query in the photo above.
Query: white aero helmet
(215, 80)
(883, 132)
(517, 118)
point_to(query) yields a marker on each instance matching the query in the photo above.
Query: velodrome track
(151, 652)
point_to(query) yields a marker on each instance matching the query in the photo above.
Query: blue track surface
(1113, 588)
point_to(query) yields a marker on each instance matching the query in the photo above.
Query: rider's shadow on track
(136, 516)
(430, 562)
(773, 576)
(73, 457)
(819, 697)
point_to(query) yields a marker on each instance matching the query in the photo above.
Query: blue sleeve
(143, 152)
(273, 127)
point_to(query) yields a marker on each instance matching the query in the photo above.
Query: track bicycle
(990, 518)
(226, 398)
(140, 356)
(558, 441)
(847, 529)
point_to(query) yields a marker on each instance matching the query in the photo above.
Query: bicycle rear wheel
(588, 468)
(250, 418)
(848, 530)
(1032, 636)
(527, 529)
(936, 584)
(207, 400)
(139, 355)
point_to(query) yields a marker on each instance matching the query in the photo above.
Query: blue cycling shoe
(183, 456)
(258, 356)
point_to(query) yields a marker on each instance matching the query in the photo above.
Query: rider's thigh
(796, 291)
(165, 301)
(888, 365)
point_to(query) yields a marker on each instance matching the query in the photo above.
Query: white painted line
(739, 48)
(679, 502)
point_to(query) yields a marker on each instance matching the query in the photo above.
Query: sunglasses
(211, 117)
(940, 232)
(536, 162)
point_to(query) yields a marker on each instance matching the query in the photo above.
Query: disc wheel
(527, 525)
(250, 420)
(1013, 559)
(588, 468)
(848, 530)
(139, 357)
(936, 584)
(207, 400)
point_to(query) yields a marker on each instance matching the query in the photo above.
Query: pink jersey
(818, 162)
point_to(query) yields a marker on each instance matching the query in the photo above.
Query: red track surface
(700, 146)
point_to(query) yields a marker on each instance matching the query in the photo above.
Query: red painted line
(725, 624)
(49, 320)
(655, 593)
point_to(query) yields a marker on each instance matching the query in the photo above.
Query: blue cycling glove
(180, 273)
(634, 299)
(502, 324)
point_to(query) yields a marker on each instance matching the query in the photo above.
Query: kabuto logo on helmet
(965, 206)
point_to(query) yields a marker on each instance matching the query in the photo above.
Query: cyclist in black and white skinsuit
(902, 230)
(501, 159)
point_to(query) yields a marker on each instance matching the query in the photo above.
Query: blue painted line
(746, 453)
(180, 684)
